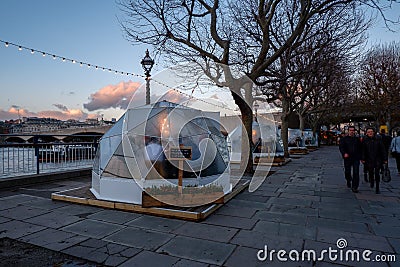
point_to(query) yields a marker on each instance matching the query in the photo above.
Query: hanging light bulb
(54, 56)
(63, 59)
(6, 44)
(43, 54)
(88, 65)
(19, 48)
(80, 64)
(32, 51)
(97, 67)
(73, 61)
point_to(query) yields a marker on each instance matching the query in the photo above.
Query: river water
(17, 161)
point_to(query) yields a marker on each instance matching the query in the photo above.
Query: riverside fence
(38, 155)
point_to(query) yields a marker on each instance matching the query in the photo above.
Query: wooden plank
(72, 199)
(83, 196)
(101, 203)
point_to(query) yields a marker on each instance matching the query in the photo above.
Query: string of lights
(98, 67)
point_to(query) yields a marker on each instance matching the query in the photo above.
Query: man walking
(386, 139)
(373, 156)
(350, 148)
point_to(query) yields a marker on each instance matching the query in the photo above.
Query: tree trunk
(285, 127)
(246, 162)
(301, 120)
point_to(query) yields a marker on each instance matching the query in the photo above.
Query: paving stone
(258, 240)
(79, 210)
(186, 263)
(156, 223)
(22, 212)
(114, 216)
(290, 209)
(16, 229)
(383, 230)
(53, 239)
(301, 196)
(249, 204)
(197, 250)
(243, 256)
(91, 228)
(395, 242)
(344, 215)
(54, 219)
(290, 201)
(348, 256)
(228, 221)
(205, 231)
(86, 253)
(148, 258)
(367, 241)
(102, 252)
(229, 210)
(3, 220)
(139, 238)
(287, 230)
(46, 204)
(250, 197)
(338, 225)
(299, 219)
(19, 198)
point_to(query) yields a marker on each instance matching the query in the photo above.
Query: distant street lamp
(147, 64)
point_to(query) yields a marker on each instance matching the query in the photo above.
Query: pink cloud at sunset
(64, 114)
(112, 96)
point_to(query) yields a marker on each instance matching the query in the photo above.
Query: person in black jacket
(387, 140)
(373, 156)
(350, 148)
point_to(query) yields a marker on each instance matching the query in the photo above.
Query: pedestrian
(350, 148)
(373, 156)
(386, 139)
(395, 150)
(365, 171)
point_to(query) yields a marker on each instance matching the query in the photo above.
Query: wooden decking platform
(82, 195)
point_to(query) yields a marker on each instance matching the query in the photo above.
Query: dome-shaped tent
(147, 144)
(264, 137)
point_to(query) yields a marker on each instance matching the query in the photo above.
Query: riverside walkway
(304, 206)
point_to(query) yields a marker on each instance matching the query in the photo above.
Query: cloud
(63, 114)
(61, 107)
(112, 96)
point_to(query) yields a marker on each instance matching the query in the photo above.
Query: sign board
(180, 153)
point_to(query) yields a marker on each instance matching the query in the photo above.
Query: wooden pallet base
(82, 195)
(276, 162)
(298, 151)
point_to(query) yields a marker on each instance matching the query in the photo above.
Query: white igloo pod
(264, 138)
(136, 152)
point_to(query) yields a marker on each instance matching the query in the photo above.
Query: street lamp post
(147, 64)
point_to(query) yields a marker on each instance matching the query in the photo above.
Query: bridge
(61, 135)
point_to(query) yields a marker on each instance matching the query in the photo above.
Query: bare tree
(305, 75)
(240, 34)
(379, 82)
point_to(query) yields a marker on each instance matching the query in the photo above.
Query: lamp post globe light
(147, 64)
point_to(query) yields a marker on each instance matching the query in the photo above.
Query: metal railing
(38, 157)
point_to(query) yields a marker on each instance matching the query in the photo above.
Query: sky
(87, 31)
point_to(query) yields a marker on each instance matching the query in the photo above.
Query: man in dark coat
(373, 156)
(350, 148)
(387, 140)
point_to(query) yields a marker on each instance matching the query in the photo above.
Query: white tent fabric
(266, 135)
(123, 166)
